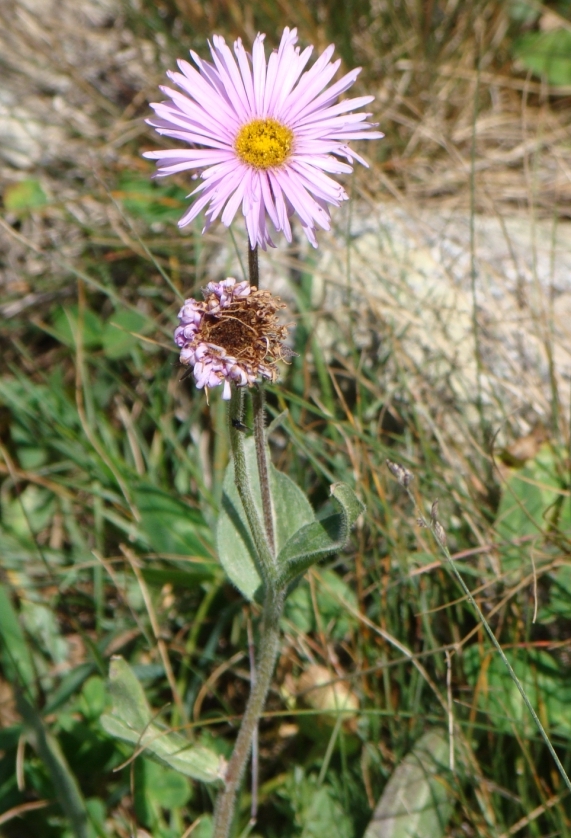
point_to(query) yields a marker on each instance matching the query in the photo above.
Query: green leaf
(16, 657)
(158, 787)
(319, 539)
(199, 572)
(67, 789)
(71, 682)
(65, 327)
(118, 338)
(558, 604)
(546, 54)
(204, 828)
(317, 808)
(169, 524)
(23, 196)
(41, 623)
(530, 501)
(29, 512)
(132, 721)
(325, 816)
(333, 595)
(93, 698)
(235, 548)
(417, 801)
(97, 812)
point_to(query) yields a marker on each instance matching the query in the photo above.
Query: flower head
(263, 135)
(232, 335)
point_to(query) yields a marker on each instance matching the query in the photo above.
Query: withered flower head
(232, 335)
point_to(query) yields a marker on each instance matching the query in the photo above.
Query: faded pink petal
(213, 363)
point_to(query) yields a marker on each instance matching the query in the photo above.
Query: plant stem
(253, 271)
(274, 596)
(259, 423)
(258, 399)
(241, 478)
(268, 652)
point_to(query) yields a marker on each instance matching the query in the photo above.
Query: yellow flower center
(264, 143)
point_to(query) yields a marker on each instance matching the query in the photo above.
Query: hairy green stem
(268, 651)
(259, 400)
(274, 595)
(263, 550)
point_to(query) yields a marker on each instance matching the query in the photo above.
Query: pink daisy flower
(264, 136)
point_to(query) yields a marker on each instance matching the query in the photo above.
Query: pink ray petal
(214, 101)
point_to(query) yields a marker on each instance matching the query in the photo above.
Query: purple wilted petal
(233, 335)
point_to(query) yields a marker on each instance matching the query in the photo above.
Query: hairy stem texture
(244, 488)
(268, 651)
(263, 467)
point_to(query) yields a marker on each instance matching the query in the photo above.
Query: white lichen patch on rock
(445, 297)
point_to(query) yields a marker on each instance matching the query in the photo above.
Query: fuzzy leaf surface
(320, 538)
(132, 721)
(291, 512)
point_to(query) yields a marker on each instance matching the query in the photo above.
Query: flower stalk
(253, 267)
(274, 593)
(265, 555)
(268, 651)
(272, 610)
(259, 403)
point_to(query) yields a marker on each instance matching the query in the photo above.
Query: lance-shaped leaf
(132, 721)
(417, 801)
(291, 512)
(19, 667)
(170, 525)
(320, 538)
(14, 652)
(65, 784)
